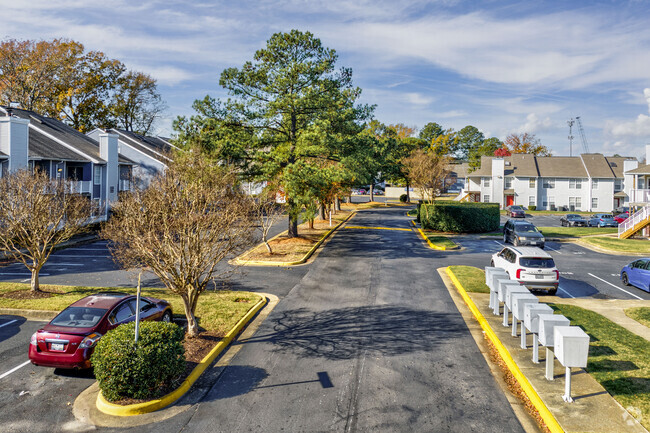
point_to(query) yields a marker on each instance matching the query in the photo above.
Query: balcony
(640, 196)
(80, 187)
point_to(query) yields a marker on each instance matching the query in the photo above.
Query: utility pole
(570, 122)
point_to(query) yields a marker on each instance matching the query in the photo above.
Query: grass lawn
(413, 212)
(575, 232)
(472, 279)
(618, 359)
(217, 311)
(640, 314)
(620, 245)
(441, 241)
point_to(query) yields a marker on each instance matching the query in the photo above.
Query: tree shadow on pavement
(378, 330)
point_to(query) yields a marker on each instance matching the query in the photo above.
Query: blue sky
(500, 66)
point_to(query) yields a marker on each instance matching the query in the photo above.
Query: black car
(573, 220)
(520, 233)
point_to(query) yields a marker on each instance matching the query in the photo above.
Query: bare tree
(267, 213)
(187, 221)
(37, 214)
(427, 173)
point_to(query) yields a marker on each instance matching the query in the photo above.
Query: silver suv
(531, 267)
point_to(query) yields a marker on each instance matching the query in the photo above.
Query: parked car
(622, 209)
(362, 191)
(637, 274)
(378, 192)
(573, 220)
(530, 266)
(522, 233)
(70, 338)
(514, 211)
(602, 220)
(621, 217)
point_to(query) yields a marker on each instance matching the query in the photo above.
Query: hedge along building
(94, 167)
(589, 182)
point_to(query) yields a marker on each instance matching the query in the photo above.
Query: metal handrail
(634, 219)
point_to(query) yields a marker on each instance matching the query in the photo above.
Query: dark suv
(520, 233)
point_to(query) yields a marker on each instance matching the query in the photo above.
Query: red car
(514, 211)
(70, 338)
(621, 217)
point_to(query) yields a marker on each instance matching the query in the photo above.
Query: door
(510, 200)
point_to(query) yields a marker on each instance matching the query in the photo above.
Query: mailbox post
(509, 291)
(531, 322)
(572, 349)
(519, 302)
(546, 324)
(498, 278)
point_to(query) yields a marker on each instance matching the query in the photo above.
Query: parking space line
(8, 323)
(564, 291)
(552, 249)
(616, 287)
(3, 375)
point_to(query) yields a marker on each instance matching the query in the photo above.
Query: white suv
(530, 266)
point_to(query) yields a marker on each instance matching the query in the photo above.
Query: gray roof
(561, 166)
(153, 147)
(597, 166)
(46, 135)
(517, 165)
(644, 169)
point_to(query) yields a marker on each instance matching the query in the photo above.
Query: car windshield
(536, 262)
(526, 228)
(573, 217)
(516, 208)
(78, 317)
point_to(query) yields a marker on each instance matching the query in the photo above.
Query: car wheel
(624, 279)
(167, 317)
(552, 292)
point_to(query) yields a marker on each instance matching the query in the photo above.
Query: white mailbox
(571, 346)
(507, 290)
(488, 274)
(519, 302)
(571, 349)
(504, 286)
(531, 315)
(496, 277)
(546, 324)
(513, 291)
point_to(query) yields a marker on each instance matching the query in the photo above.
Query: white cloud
(534, 124)
(640, 127)
(418, 99)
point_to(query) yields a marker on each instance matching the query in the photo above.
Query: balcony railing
(640, 196)
(80, 187)
(125, 185)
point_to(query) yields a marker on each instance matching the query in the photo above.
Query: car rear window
(79, 317)
(536, 262)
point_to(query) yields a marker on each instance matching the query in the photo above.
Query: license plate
(56, 346)
(533, 243)
(539, 277)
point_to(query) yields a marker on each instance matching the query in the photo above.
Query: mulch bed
(31, 294)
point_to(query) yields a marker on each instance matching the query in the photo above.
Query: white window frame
(507, 183)
(575, 183)
(576, 201)
(97, 177)
(594, 184)
(551, 201)
(548, 183)
(618, 185)
(594, 202)
(486, 198)
(485, 182)
(532, 182)
(531, 200)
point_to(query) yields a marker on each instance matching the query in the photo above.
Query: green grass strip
(640, 314)
(575, 232)
(636, 246)
(472, 279)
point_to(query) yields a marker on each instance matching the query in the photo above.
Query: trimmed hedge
(403, 198)
(453, 216)
(146, 370)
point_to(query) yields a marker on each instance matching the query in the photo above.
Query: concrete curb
(30, 314)
(544, 412)
(141, 408)
(431, 244)
(241, 262)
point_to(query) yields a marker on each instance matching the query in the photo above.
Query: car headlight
(542, 239)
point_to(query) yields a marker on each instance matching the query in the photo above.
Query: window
(122, 313)
(549, 183)
(618, 185)
(575, 183)
(531, 182)
(594, 203)
(507, 183)
(594, 183)
(551, 202)
(576, 202)
(486, 198)
(531, 200)
(97, 178)
(485, 181)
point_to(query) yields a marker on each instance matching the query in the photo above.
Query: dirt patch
(31, 294)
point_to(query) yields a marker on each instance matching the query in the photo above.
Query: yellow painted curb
(306, 257)
(151, 406)
(376, 228)
(537, 402)
(431, 244)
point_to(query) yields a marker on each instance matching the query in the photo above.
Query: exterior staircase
(634, 223)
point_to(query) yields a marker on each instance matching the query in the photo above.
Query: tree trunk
(372, 191)
(268, 246)
(293, 219)
(321, 212)
(311, 224)
(337, 204)
(192, 326)
(36, 287)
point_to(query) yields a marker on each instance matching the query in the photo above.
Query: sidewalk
(593, 409)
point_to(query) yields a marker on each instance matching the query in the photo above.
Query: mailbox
(507, 290)
(571, 346)
(546, 324)
(515, 290)
(488, 274)
(504, 286)
(495, 275)
(517, 302)
(499, 275)
(531, 315)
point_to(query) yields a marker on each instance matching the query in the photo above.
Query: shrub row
(144, 370)
(453, 216)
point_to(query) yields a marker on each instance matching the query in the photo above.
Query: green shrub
(532, 207)
(403, 198)
(453, 216)
(126, 370)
